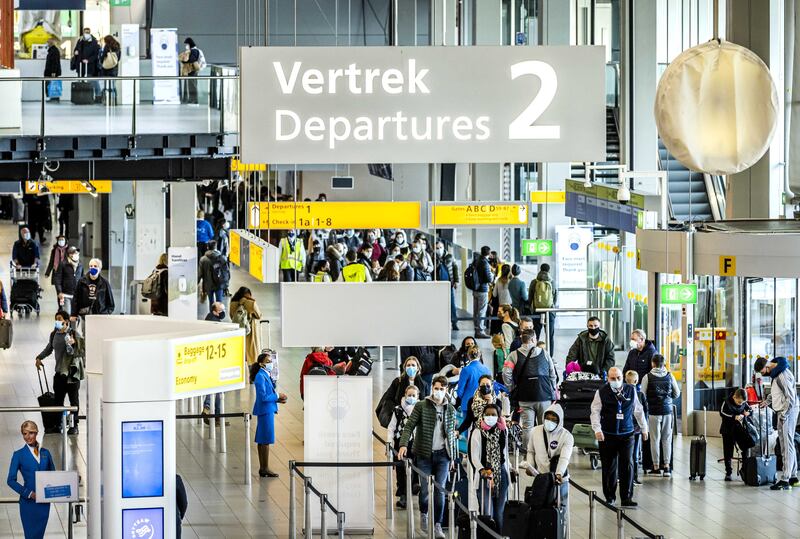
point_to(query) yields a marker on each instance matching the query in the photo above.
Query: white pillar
(150, 227)
(182, 214)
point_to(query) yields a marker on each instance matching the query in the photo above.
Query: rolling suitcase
(759, 467)
(547, 517)
(6, 333)
(82, 90)
(484, 516)
(51, 421)
(697, 454)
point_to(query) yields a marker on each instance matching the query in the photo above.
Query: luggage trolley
(576, 399)
(25, 291)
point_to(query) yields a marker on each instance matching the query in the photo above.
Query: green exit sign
(120, 3)
(678, 294)
(537, 247)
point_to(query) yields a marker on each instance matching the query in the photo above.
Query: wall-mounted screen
(145, 523)
(142, 459)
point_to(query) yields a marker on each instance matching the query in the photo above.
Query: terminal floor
(220, 505)
(64, 118)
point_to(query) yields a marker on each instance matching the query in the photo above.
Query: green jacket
(423, 419)
(579, 351)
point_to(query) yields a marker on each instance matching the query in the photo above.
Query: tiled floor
(220, 505)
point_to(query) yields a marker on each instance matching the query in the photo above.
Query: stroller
(25, 291)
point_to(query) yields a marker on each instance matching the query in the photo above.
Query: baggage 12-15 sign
(422, 104)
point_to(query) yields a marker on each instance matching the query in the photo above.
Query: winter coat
(253, 340)
(423, 419)
(104, 299)
(52, 65)
(66, 277)
(641, 360)
(89, 51)
(483, 274)
(579, 351)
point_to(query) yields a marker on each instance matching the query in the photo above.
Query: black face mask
(594, 331)
(486, 390)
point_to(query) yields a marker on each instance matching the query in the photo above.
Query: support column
(182, 214)
(183, 296)
(121, 232)
(150, 227)
(7, 33)
(756, 193)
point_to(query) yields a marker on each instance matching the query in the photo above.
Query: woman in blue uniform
(264, 409)
(28, 461)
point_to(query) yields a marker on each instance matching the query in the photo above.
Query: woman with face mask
(550, 450)
(487, 393)
(421, 262)
(66, 277)
(192, 61)
(411, 375)
(393, 432)
(64, 343)
(57, 255)
(488, 458)
(265, 408)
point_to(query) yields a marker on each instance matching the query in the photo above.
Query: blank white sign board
(365, 314)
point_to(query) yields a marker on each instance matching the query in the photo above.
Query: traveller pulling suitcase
(697, 454)
(51, 421)
(759, 467)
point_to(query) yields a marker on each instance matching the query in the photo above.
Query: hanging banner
(479, 214)
(336, 215)
(422, 104)
(72, 187)
(164, 52)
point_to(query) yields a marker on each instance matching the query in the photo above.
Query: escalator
(689, 197)
(578, 170)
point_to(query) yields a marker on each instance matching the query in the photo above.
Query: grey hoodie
(559, 442)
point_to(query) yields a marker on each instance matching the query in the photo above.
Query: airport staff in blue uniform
(265, 408)
(28, 461)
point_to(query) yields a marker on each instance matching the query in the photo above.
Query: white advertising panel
(164, 51)
(571, 272)
(338, 428)
(182, 286)
(129, 60)
(390, 314)
(58, 486)
(422, 104)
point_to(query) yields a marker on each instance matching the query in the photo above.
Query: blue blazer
(266, 398)
(24, 462)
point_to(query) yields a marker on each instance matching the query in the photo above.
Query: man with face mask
(433, 425)
(549, 450)
(84, 58)
(593, 349)
(191, 60)
(57, 255)
(614, 408)
(315, 256)
(293, 255)
(25, 252)
(93, 293)
(351, 239)
(66, 277)
(640, 355)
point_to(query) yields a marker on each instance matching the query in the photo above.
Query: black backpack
(517, 341)
(469, 277)
(543, 493)
(361, 364)
(220, 272)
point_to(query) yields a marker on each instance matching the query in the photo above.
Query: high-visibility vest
(292, 257)
(322, 277)
(355, 272)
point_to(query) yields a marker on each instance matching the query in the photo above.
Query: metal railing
(217, 81)
(621, 516)
(65, 412)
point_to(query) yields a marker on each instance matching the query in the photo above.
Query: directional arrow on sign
(255, 216)
(686, 294)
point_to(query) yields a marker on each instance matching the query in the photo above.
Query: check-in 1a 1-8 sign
(422, 104)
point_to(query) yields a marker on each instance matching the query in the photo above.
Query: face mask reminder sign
(422, 104)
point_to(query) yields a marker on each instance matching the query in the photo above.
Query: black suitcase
(697, 454)
(485, 516)
(548, 523)
(758, 466)
(6, 333)
(51, 421)
(516, 520)
(82, 91)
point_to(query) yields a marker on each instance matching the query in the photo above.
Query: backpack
(469, 277)
(220, 273)
(361, 364)
(150, 286)
(446, 356)
(201, 59)
(421, 275)
(543, 492)
(441, 272)
(242, 318)
(516, 342)
(542, 294)
(318, 370)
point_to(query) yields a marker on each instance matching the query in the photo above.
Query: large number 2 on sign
(522, 127)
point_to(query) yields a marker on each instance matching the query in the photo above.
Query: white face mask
(634, 344)
(439, 252)
(61, 243)
(188, 48)
(550, 426)
(615, 384)
(438, 394)
(75, 257)
(490, 420)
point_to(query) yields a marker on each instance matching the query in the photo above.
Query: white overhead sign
(422, 104)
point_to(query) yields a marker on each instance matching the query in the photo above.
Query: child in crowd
(733, 412)
(498, 357)
(394, 430)
(632, 378)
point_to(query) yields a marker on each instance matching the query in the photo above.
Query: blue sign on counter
(57, 491)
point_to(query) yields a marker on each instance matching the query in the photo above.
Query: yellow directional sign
(209, 365)
(256, 261)
(67, 187)
(315, 215)
(548, 197)
(238, 166)
(479, 214)
(235, 247)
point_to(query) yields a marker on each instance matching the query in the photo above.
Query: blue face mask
(59, 325)
(268, 367)
(94, 272)
(411, 372)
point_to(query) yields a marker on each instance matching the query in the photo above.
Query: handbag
(110, 60)
(54, 88)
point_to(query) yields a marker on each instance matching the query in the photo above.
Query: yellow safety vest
(355, 272)
(322, 277)
(292, 257)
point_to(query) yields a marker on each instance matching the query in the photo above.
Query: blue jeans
(207, 401)
(215, 295)
(438, 466)
(498, 499)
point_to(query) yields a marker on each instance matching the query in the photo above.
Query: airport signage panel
(479, 214)
(209, 366)
(678, 294)
(548, 197)
(337, 215)
(537, 247)
(67, 187)
(422, 104)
